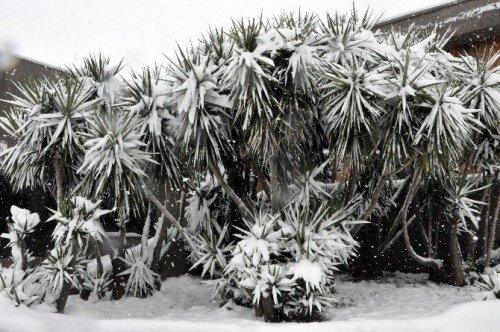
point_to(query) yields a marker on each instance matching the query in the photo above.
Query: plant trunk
(66, 287)
(270, 315)
(59, 174)
(482, 241)
(351, 188)
(433, 264)
(119, 266)
(492, 220)
(229, 191)
(457, 273)
(169, 217)
(98, 258)
(275, 187)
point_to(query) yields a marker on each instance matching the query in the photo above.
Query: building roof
(471, 20)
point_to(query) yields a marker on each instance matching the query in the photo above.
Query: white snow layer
(404, 302)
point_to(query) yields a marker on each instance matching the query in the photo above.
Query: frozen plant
(23, 222)
(489, 284)
(286, 266)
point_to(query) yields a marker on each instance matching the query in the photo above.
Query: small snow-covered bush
(211, 251)
(141, 280)
(22, 223)
(290, 262)
(489, 284)
(18, 286)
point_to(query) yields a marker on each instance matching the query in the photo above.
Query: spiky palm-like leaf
(350, 109)
(115, 160)
(202, 119)
(148, 101)
(46, 120)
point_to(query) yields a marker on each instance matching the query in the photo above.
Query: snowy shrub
(211, 251)
(141, 280)
(489, 284)
(23, 222)
(61, 268)
(97, 284)
(17, 286)
(291, 261)
(78, 219)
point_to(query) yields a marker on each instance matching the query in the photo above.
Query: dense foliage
(277, 150)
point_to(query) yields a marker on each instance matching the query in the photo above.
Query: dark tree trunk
(482, 241)
(270, 315)
(66, 287)
(59, 174)
(492, 220)
(229, 191)
(433, 264)
(275, 187)
(457, 274)
(118, 283)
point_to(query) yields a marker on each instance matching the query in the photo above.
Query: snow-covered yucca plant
(489, 284)
(141, 280)
(211, 251)
(100, 76)
(97, 284)
(59, 272)
(45, 119)
(79, 220)
(15, 284)
(286, 265)
(23, 222)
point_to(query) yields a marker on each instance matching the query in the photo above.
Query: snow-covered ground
(400, 302)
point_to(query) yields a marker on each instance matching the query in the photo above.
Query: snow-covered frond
(71, 105)
(148, 101)
(482, 87)
(23, 220)
(100, 76)
(97, 284)
(141, 279)
(347, 37)
(487, 154)
(350, 108)
(15, 285)
(459, 204)
(217, 44)
(115, 160)
(249, 78)
(212, 252)
(46, 120)
(447, 127)
(59, 268)
(78, 219)
(307, 185)
(319, 234)
(489, 284)
(258, 242)
(201, 116)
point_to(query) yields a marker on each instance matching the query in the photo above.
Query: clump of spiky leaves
(489, 284)
(18, 286)
(60, 269)
(200, 108)
(46, 119)
(97, 283)
(212, 249)
(141, 280)
(290, 262)
(79, 220)
(100, 76)
(149, 102)
(22, 223)
(114, 161)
